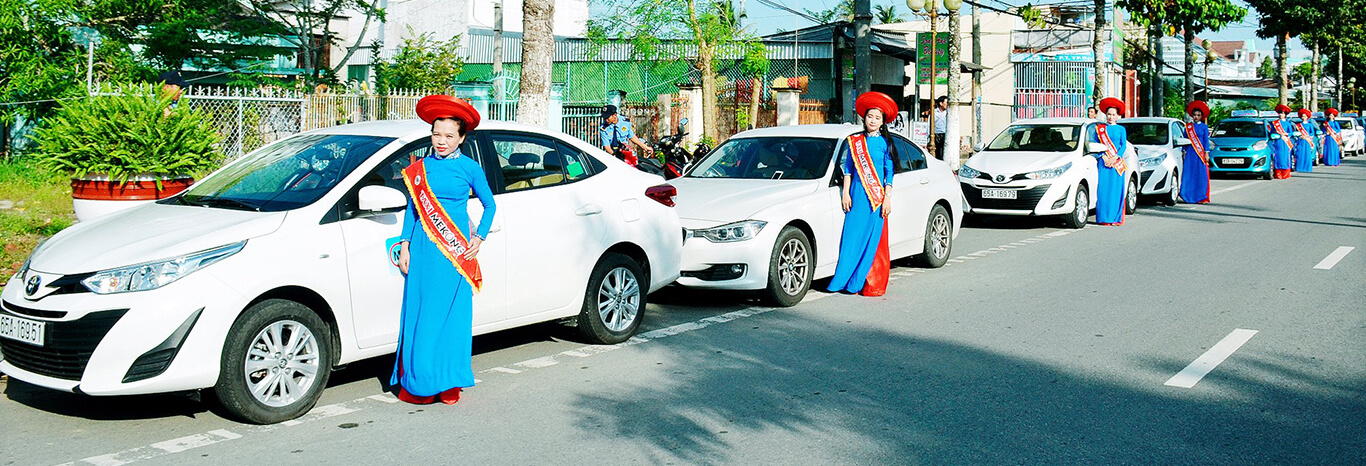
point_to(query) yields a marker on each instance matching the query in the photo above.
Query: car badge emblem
(1000, 178)
(33, 284)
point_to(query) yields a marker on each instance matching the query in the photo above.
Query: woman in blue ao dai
(868, 165)
(435, 336)
(1306, 144)
(1110, 165)
(1194, 166)
(1332, 150)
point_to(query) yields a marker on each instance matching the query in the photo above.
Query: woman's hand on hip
(403, 257)
(473, 250)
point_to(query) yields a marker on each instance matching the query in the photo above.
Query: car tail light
(664, 194)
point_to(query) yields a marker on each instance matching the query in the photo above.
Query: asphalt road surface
(1222, 333)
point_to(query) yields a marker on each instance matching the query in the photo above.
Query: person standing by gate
(1195, 166)
(941, 125)
(1110, 164)
(1281, 143)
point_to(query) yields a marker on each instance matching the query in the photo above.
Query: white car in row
(1353, 137)
(262, 277)
(1161, 146)
(762, 210)
(1041, 167)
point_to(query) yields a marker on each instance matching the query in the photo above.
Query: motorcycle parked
(677, 160)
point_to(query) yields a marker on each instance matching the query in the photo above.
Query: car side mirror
(1182, 142)
(381, 198)
(1095, 147)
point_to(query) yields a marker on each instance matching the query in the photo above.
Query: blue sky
(767, 20)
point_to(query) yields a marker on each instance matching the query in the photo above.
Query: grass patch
(34, 204)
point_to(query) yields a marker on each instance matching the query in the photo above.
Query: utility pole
(1159, 84)
(1314, 80)
(1098, 45)
(498, 51)
(953, 140)
(863, 61)
(977, 76)
(1189, 37)
(1282, 41)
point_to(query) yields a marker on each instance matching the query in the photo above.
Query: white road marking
(383, 397)
(501, 369)
(154, 450)
(1234, 187)
(1328, 262)
(1202, 366)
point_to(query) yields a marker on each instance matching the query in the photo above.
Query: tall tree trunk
(1159, 82)
(705, 55)
(1339, 79)
(1314, 84)
(538, 47)
(952, 135)
(756, 92)
(1097, 51)
(1284, 75)
(1189, 37)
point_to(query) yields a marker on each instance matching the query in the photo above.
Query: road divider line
(1202, 366)
(1328, 262)
(1234, 187)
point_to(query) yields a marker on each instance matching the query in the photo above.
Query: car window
(909, 156)
(576, 164)
(390, 173)
(1240, 129)
(1037, 138)
(1147, 134)
(532, 161)
(767, 158)
(1346, 124)
(1179, 129)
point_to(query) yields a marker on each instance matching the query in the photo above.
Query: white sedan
(1161, 146)
(762, 211)
(1353, 137)
(1041, 167)
(265, 275)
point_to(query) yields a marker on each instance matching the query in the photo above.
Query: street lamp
(1210, 56)
(931, 10)
(1352, 82)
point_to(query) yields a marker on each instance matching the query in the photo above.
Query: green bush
(127, 135)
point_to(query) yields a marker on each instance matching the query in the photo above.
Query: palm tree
(887, 14)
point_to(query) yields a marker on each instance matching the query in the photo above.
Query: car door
(556, 215)
(912, 196)
(372, 254)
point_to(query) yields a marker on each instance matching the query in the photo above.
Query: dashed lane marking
(1234, 187)
(1202, 366)
(1333, 258)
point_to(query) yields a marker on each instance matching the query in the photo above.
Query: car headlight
(1212, 145)
(1259, 145)
(153, 275)
(967, 172)
(1049, 173)
(1152, 161)
(731, 232)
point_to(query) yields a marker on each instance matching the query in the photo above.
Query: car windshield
(1147, 134)
(1346, 124)
(1239, 129)
(286, 175)
(1037, 138)
(768, 158)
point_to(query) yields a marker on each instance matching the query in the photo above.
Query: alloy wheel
(939, 236)
(282, 364)
(619, 299)
(792, 267)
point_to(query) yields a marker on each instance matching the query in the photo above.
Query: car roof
(1150, 120)
(830, 131)
(411, 129)
(1054, 121)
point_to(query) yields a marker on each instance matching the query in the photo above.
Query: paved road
(1035, 345)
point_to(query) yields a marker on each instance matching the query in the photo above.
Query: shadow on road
(866, 396)
(1213, 215)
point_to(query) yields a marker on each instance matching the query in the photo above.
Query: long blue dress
(1280, 147)
(1194, 172)
(1332, 152)
(1110, 189)
(862, 224)
(1305, 152)
(438, 312)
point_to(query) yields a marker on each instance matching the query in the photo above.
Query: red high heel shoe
(414, 399)
(450, 397)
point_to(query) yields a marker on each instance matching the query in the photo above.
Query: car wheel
(615, 301)
(1131, 197)
(938, 238)
(1081, 210)
(790, 269)
(1175, 194)
(276, 361)
(1267, 175)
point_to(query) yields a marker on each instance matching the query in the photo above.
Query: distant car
(1161, 145)
(762, 210)
(1241, 145)
(1041, 167)
(1353, 137)
(269, 272)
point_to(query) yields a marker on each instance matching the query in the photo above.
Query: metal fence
(1052, 89)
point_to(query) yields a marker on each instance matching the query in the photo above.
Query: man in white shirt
(941, 125)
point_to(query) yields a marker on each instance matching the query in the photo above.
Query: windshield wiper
(223, 202)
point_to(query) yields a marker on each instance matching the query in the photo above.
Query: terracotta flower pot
(94, 196)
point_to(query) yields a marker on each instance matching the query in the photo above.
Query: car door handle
(924, 181)
(590, 209)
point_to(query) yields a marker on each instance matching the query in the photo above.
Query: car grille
(1232, 149)
(1232, 162)
(1143, 177)
(67, 348)
(1026, 199)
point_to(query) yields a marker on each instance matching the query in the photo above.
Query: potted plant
(126, 149)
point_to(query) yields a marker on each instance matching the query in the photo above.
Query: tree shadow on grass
(843, 394)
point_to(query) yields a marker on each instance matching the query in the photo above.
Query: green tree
(174, 33)
(1266, 70)
(885, 14)
(1283, 19)
(843, 11)
(423, 63)
(1196, 16)
(309, 27)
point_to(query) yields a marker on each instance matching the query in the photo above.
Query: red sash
(1104, 137)
(1328, 125)
(1196, 144)
(867, 172)
(1305, 134)
(439, 226)
(1281, 131)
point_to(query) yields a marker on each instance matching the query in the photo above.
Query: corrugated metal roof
(479, 48)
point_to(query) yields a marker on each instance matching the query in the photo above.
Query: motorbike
(677, 160)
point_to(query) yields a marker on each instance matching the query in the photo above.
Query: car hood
(1235, 142)
(148, 233)
(704, 202)
(1011, 163)
(1149, 151)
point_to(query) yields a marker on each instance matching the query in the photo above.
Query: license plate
(17, 328)
(1231, 161)
(999, 194)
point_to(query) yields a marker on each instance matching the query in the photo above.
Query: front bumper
(1155, 180)
(1050, 197)
(702, 259)
(117, 344)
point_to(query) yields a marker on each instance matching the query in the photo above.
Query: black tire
(938, 238)
(791, 266)
(614, 303)
(1268, 174)
(1081, 210)
(234, 391)
(1175, 195)
(1131, 197)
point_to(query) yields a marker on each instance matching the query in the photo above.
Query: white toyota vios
(1161, 146)
(1041, 167)
(266, 274)
(762, 211)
